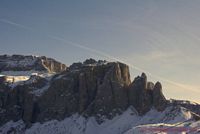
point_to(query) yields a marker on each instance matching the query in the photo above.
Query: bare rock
(139, 95)
(159, 100)
(93, 88)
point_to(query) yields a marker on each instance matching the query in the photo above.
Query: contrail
(101, 54)
(16, 24)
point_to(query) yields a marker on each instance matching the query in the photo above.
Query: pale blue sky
(161, 37)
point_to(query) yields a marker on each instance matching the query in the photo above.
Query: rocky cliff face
(143, 95)
(93, 88)
(30, 63)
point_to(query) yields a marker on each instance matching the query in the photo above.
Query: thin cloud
(15, 24)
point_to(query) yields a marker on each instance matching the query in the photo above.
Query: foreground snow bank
(127, 123)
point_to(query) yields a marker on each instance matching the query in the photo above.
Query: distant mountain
(41, 95)
(29, 63)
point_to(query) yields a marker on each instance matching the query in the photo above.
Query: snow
(14, 81)
(60, 76)
(21, 73)
(40, 91)
(19, 127)
(184, 102)
(127, 123)
(100, 63)
(15, 78)
(161, 128)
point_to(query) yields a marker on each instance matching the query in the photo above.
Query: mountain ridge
(98, 89)
(30, 62)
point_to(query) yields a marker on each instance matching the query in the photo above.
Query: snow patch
(40, 91)
(12, 127)
(127, 123)
(15, 78)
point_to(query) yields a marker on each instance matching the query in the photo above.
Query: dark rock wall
(94, 88)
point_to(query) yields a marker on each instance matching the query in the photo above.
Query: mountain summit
(53, 91)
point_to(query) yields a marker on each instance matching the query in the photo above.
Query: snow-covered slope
(127, 123)
(188, 127)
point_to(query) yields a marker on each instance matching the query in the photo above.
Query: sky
(158, 37)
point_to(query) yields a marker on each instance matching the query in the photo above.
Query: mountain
(28, 63)
(42, 95)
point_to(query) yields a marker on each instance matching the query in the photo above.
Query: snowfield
(127, 123)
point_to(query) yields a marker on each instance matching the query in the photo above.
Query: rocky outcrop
(18, 102)
(159, 101)
(111, 97)
(139, 95)
(194, 107)
(92, 88)
(30, 63)
(144, 95)
(9, 108)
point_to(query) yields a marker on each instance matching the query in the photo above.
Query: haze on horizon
(160, 38)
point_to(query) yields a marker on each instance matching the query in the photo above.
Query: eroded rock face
(28, 63)
(143, 95)
(159, 100)
(19, 102)
(139, 95)
(112, 97)
(9, 108)
(92, 88)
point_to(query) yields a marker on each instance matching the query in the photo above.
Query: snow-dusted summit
(29, 63)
